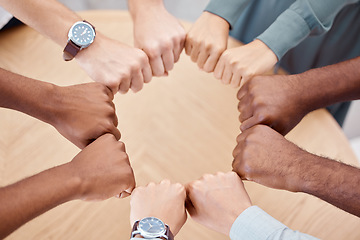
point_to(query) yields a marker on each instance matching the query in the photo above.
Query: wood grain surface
(178, 127)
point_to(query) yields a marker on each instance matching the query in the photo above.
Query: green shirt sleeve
(230, 10)
(301, 19)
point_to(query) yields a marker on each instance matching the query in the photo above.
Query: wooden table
(178, 127)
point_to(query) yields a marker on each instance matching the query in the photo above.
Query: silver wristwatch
(151, 228)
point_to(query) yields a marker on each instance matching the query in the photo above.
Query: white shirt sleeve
(256, 224)
(4, 17)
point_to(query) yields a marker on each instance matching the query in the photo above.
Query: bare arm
(81, 113)
(118, 66)
(266, 157)
(158, 33)
(82, 178)
(282, 101)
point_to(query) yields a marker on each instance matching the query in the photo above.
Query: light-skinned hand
(215, 201)
(164, 200)
(116, 65)
(84, 112)
(207, 40)
(158, 33)
(240, 64)
(277, 101)
(103, 170)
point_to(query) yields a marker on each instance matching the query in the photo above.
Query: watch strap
(70, 50)
(169, 233)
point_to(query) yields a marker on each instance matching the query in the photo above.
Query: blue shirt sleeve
(230, 10)
(256, 224)
(301, 19)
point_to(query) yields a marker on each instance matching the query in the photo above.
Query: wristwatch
(80, 36)
(151, 228)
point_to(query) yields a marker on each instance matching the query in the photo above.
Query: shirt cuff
(254, 223)
(288, 30)
(230, 10)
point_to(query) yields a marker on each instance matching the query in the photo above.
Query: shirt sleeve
(230, 10)
(256, 224)
(301, 19)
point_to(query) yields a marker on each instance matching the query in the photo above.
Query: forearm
(137, 6)
(26, 95)
(328, 85)
(230, 10)
(29, 198)
(301, 19)
(49, 17)
(255, 224)
(331, 181)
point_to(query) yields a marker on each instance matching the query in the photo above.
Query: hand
(158, 34)
(242, 63)
(118, 66)
(277, 101)
(215, 201)
(84, 112)
(165, 201)
(207, 40)
(266, 157)
(104, 170)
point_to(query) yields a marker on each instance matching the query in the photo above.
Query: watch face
(82, 34)
(151, 227)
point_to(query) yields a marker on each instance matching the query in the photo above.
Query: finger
(168, 60)
(178, 47)
(115, 131)
(124, 85)
(108, 92)
(246, 111)
(242, 92)
(211, 62)
(219, 68)
(188, 46)
(227, 75)
(147, 72)
(157, 66)
(240, 138)
(203, 56)
(250, 123)
(236, 79)
(115, 120)
(195, 51)
(137, 81)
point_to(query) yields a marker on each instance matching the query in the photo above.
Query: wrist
(214, 19)
(141, 7)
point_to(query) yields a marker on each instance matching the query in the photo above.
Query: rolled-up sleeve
(301, 19)
(256, 224)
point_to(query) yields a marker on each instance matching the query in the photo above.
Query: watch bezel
(146, 234)
(71, 37)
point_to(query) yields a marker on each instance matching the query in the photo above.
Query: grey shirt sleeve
(256, 224)
(301, 19)
(230, 10)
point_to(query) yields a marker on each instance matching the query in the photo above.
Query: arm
(82, 178)
(304, 17)
(110, 62)
(208, 37)
(164, 201)
(282, 101)
(157, 33)
(266, 157)
(301, 19)
(81, 113)
(221, 203)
